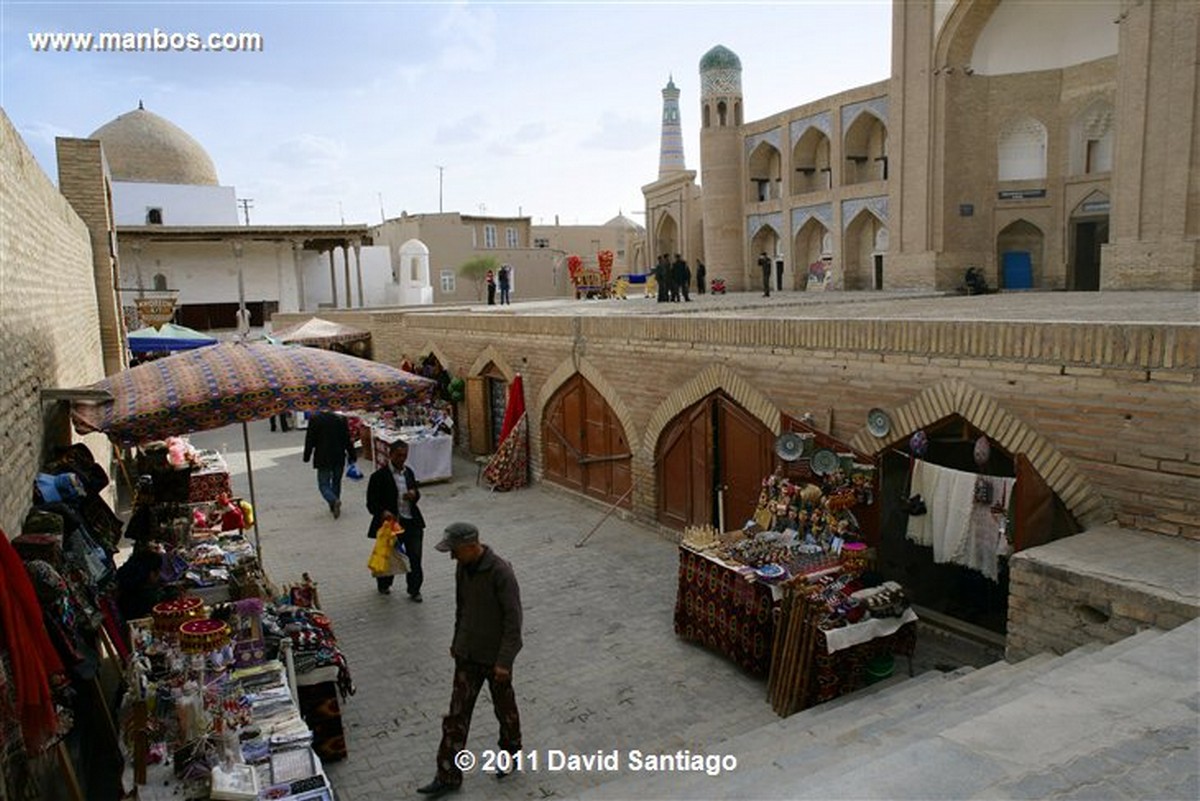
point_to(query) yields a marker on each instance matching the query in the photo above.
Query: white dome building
(161, 175)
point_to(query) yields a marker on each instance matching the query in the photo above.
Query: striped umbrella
(236, 383)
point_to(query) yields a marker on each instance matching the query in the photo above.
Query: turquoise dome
(720, 58)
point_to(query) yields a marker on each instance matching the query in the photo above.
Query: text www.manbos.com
(154, 41)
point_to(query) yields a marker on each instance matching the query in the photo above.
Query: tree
(475, 269)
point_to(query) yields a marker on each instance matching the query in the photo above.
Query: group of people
(501, 279)
(488, 612)
(674, 277)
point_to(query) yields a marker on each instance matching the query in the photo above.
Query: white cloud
(618, 132)
(310, 151)
(467, 37)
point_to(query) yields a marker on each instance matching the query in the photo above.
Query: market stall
(793, 595)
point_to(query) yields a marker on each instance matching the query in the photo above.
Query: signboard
(1021, 194)
(1095, 207)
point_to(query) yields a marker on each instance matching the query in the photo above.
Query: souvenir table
(210, 480)
(429, 455)
(719, 608)
(241, 737)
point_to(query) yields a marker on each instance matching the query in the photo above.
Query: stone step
(901, 720)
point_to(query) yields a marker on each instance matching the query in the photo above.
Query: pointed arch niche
(666, 237)
(862, 258)
(810, 254)
(948, 398)
(764, 170)
(717, 429)
(810, 162)
(486, 399)
(865, 146)
(584, 445)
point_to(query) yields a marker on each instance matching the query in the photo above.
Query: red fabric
(33, 656)
(514, 408)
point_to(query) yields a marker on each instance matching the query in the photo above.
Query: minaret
(721, 166)
(670, 153)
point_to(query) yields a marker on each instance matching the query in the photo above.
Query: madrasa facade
(1049, 146)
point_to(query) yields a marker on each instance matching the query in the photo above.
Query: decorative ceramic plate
(770, 572)
(789, 447)
(824, 462)
(878, 422)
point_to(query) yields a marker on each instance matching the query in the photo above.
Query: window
(154, 217)
(489, 236)
(448, 281)
(510, 237)
(160, 283)
(541, 242)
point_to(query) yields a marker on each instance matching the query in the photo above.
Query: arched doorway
(950, 588)
(1019, 254)
(765, 240)
(1089, 233)
(810, 251)
(710, 461)
(486, 398)
(666, 238)
(859, 249)
(584, 445)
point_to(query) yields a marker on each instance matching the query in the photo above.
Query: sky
(546, 109)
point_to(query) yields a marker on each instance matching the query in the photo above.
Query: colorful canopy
(168, 337)
(235, 382)
(316, 331)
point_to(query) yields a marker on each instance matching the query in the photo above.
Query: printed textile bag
(386, 557)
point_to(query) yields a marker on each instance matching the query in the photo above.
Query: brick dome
(142, 146)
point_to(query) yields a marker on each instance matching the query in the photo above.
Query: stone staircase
(1116, 721)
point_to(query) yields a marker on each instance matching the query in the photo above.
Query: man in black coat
(327, 444)
(393, 493)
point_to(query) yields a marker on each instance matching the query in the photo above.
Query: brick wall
(1106, 412)
(49, 325)
(1100, 586)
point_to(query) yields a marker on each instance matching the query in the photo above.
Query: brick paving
(601, 667)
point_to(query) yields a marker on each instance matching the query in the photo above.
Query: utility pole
(441, 169)
(246, 203)
(382, 218)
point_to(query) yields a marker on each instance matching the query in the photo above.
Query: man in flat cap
(487, 637)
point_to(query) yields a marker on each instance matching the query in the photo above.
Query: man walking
(328, 444)
(393, 493)
(764, 262)
(701, 274)
(487, 637)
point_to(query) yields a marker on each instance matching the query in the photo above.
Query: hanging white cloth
(959, 530)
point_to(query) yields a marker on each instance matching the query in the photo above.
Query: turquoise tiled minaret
(670, 155)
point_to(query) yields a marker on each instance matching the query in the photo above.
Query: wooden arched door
(711, 459)
(584, 445)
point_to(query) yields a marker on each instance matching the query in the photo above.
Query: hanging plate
(824, 462)
(878, 422)
(789, 447)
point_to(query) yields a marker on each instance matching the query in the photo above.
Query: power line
(246, 203)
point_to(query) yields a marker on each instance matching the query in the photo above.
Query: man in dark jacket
(487, 637)
(327, 443)
(392, 493)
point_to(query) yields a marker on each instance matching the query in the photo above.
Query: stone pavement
(1025, 306)
(601, 667)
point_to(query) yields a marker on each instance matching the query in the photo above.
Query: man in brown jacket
(487, 637)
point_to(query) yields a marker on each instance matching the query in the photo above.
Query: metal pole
(440, 170)
(253, 500)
